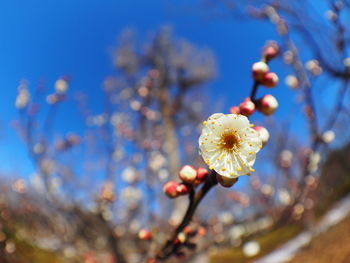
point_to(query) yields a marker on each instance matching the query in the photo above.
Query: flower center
(230, 139)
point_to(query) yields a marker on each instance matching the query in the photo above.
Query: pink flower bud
(182, 189)
(188, 174)
(226, 181)
(267, 104)
(271, 50)
(263, 133)
(145, 234)
(247, 107)
(190, 231)
(170, 189)
(259, 69)
(202, 173)
(202, 231)
(235, 110)
(270, 80)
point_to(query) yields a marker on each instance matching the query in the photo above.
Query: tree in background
(130, 147)
(146, 132)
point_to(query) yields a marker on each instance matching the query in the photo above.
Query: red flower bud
(188, 174)
(182, 189)
(235, 110)
(202, 173)
(259, 69)
(267, 104)
(145, 234)
(247, 107)
(170, 189)
(226, 181)
(270, 80)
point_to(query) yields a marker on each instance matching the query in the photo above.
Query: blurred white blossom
(251, 249)
(61, 86)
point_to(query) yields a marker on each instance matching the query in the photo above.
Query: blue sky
(43, 40)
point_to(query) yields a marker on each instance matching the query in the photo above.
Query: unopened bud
(263, 133)
(226, 181)
(235, 110)
(182, 189)
(188, 174)
(267, 104)
(170, 189)
(271, 50)
(259, 69)
(328, 136)
(190, 231)
(202, 173)
(292, 82)
(145, 234)
(247, 107)
(202, 231)
(270, 80)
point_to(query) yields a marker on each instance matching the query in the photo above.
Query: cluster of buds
(190, 177)
(268, 104)
(261, 71)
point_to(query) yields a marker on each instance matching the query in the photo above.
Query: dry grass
(268, 242)
(332, 246)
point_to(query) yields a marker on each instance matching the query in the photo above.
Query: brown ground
(332, 246)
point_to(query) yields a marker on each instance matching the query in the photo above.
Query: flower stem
(195, 198)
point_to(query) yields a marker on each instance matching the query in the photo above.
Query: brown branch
(195, 198)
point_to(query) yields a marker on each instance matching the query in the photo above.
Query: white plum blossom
(229, 145)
